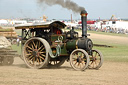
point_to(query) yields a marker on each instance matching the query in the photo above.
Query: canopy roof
(41, 25)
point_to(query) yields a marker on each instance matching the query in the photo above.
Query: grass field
(119, 53)
(116, 54)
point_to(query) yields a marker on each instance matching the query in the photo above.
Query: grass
(116, 54)
(17, 48)
(18, 31)
(112, 34)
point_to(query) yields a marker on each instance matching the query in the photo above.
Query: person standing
(17, 41)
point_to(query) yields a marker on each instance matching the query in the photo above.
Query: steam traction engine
(47, 45)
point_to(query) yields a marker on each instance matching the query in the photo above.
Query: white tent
(13, 22)
(3, 22)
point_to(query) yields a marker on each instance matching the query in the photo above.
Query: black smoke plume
(70, 5)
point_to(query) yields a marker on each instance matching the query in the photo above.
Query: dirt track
(106, 38)
(111, 73)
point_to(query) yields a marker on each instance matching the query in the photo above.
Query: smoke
(64, 3)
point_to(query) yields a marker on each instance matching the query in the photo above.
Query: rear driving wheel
(79, 59)
(96, 60)
(35, 53)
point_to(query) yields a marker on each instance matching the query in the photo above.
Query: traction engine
(47, 45)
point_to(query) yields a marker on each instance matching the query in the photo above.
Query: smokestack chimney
(71, 18)
(84, 23)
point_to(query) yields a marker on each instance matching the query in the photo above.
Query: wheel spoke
(34, 44)
(95, 62)
(41, 60)
(38, 60)
(42, 52)
(76, 54)
(43, 55)
(74, 58)
(83, 62)
(32, 47)
(40, 47)
(82, 55)
(75, 63)
(33, 60)
(30, 57)
(29, 47)
(29, 51)
(28, 54)
(96, 54)
(91, 62)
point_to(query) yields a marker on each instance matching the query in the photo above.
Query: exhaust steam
(70, 5)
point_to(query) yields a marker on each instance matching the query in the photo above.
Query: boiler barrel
(71, 44)
(82, 43)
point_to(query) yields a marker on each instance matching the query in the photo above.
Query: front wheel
(96, 60)
(79, 59)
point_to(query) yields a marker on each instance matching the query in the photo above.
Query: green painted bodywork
(64, 51)
(55, 37)
(71, 45)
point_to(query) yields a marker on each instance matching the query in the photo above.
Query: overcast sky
(31, 9)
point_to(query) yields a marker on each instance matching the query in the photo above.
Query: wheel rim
(79, 59)
(96, 60)
(14, 41)
(9, 40)
(35, 53)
